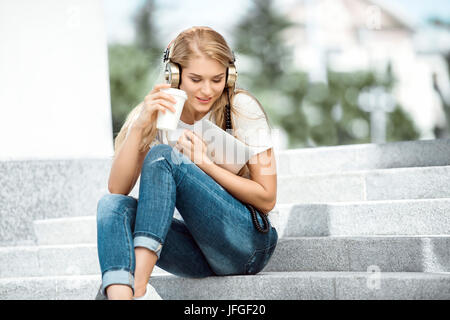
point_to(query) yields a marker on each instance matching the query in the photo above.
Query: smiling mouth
(203, 100)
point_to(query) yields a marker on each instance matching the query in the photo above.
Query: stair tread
(265, 285)
(289, 238)
(363, 171)
(266, 274)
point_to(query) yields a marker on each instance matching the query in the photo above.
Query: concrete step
(57, 260)
(69, 230)
(386, 184)
(383, 217)
(43, 189)
(72, 187)
(389, 254)
(265, 285)
(421, 153)
(385, 253)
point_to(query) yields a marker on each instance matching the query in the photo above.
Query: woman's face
(203, 81)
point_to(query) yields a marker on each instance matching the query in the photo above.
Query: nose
(206, 89)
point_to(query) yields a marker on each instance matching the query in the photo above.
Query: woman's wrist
(207, 165)
(136, 129)
(139, 130)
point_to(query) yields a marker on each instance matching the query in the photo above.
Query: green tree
(259, 37)
(128, 78)
(312, 114)
(133, 67)
(345, 88)
(146, 33)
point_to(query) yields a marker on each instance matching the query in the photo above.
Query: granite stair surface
(369, 221)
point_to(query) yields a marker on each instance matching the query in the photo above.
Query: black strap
(252, 210)
(255, 219)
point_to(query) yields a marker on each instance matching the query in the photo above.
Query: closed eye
(197, 80)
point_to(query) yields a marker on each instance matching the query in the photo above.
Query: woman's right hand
(155, 101)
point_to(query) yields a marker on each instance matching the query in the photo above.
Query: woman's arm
(127, 164)
(260, 190)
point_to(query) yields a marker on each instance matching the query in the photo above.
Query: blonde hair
(192, 43)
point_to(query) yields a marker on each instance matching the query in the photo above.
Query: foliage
(131, 66)
(128, 76)
(312, 114)
(146, 32)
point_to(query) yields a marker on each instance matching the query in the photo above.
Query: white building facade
(351, 35)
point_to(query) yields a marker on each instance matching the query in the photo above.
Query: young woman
(217, 235)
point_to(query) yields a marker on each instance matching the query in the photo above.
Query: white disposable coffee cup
(169, 120)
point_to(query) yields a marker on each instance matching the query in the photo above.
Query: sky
(173, 16)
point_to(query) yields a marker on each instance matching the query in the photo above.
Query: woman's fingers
(165, 104)
(184, 142)
(153, 102)
(192, 136)
(166, 96)
(159, 86)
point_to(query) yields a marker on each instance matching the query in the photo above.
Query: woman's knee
(162, 152)
(118, 204)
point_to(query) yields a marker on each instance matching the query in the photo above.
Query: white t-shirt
(251, 126)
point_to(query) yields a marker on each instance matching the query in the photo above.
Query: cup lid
(176, 92)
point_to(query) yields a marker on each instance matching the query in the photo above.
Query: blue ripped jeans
(216, 236)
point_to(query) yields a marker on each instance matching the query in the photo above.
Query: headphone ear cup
(231, 76)
(172, 74)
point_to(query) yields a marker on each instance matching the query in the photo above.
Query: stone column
(378, 102)
(54, 82)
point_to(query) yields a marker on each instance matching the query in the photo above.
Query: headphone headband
(168, 54)
(172, 70)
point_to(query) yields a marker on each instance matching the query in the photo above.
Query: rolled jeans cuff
(149, 243)
(117, 277)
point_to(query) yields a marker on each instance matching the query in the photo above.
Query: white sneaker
(150, 294)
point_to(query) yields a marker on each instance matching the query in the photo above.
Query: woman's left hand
(193, 147)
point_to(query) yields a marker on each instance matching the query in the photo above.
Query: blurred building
(351, 35)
